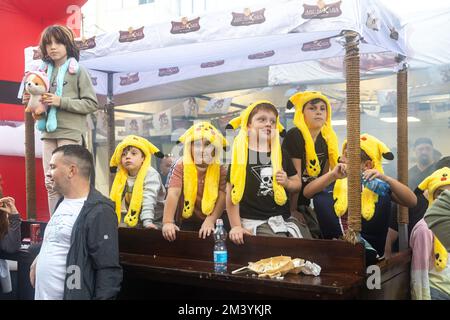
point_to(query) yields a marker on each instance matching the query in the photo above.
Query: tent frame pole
(30, 167)
(111, 129)
(402, 147)
(352, 73)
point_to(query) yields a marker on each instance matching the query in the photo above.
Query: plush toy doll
(36, 84)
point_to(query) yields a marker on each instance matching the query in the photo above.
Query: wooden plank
(186, 272)
(334, 256)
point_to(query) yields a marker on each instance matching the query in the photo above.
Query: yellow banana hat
(299, 100)
(201, 130)
(240, 156)
(131, 218)
(376, 150)
(431, 183)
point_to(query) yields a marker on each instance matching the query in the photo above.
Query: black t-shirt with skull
(294, 143)
(257, 201)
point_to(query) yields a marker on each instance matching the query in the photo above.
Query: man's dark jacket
(94, 252)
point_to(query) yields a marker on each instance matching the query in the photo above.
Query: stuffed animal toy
(36, 84)
(131, 218)
(201, 130)
(71, 66)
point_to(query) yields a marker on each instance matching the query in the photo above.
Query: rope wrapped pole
(30, 167)
(111, 129)
(402, 147)
(353, 135)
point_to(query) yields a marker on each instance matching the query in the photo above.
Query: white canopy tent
(231, 50)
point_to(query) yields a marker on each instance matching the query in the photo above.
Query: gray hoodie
(437, 218)
(153, 198)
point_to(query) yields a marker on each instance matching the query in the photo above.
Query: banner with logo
(218, 105)
(260, 35)
(190, 107)
(162, 123)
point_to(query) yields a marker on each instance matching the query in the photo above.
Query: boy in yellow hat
(196, 187)
(259, 176)
(137, 189)
(430, 271)
(313, 146)
(329, 194)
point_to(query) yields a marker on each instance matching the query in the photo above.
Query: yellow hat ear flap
(159, 154)
(424, 184)
(186, 134)
(440, 255)
(234, 123)
(388, 155)
(225, 144)
(281, 129)
(115, 159)
(289, 104)
(385, 151)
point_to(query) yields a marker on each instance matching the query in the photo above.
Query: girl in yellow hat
(430, 271)
(329, 193)
(313, 146)
(259, 176)
(196, 186)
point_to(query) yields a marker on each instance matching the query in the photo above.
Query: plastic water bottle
(220, 248)
(378, 186)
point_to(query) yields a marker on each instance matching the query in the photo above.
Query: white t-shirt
(51, 263)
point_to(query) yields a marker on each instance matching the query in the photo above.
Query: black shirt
(257, 201)
(294, 143)
(415, 214)
(415, 176)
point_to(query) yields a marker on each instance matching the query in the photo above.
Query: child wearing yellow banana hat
(329, 194)
(196, 186)
(259, 176)
(313, 146)
(137, 190)
(438, 215)
(430, 271)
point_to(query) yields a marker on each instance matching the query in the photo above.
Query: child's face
(203, 152)
(440, 190)
(132, 159)
(315, 114)
(56, 51)
(365, 165)
(262, 125)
